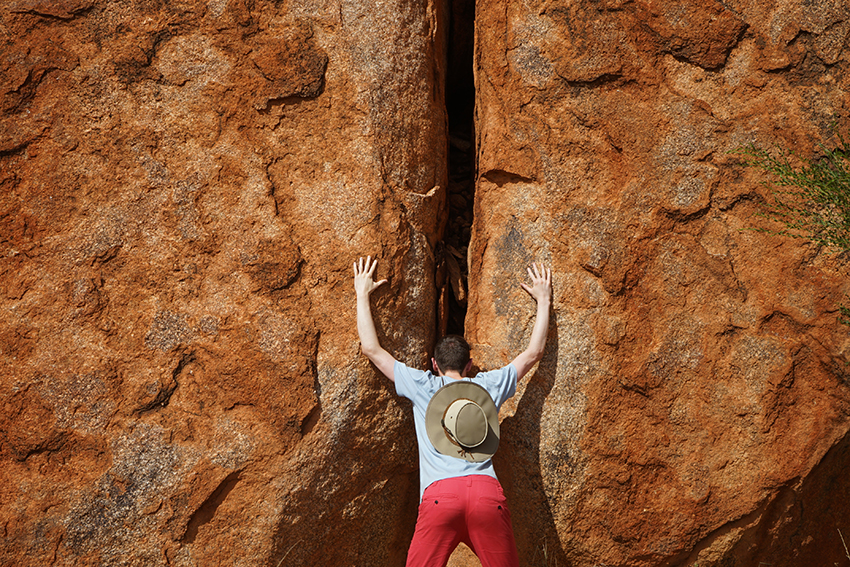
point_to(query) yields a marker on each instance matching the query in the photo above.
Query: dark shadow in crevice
(452, 253)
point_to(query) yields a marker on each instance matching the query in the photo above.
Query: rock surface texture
(693, 405)
(185, 186)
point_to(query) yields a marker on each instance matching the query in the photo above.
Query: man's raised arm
(541, 291)
(364, 286)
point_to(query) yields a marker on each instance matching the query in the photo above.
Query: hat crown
(466, 423)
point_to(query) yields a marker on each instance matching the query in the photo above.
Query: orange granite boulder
(692, 406)
(185, 186)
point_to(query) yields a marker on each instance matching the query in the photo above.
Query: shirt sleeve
(501, 383)
(405, 381)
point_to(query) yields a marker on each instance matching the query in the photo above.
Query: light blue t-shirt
(419, 386)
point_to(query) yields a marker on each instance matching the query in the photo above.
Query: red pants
(468, 509)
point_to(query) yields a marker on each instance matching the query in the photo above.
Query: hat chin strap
(463, 449)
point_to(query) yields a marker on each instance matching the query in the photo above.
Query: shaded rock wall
(185, 186)
(692, 406)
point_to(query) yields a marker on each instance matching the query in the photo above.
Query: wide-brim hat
(463, 422)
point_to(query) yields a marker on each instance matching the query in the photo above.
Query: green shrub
(811, 200)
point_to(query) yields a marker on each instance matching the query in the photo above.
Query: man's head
(452, 353)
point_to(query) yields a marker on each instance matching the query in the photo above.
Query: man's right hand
(541, 290)
(541, 283)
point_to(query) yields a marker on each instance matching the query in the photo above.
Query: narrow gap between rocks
(452, 269)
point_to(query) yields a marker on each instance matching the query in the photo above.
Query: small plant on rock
(810, 200)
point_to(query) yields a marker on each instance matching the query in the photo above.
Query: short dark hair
(452, 353)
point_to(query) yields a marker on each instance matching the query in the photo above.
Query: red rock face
(185, 186)
(692, 407)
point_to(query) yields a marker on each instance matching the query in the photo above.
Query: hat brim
(437, 407)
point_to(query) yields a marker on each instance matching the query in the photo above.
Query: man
(457, 429)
